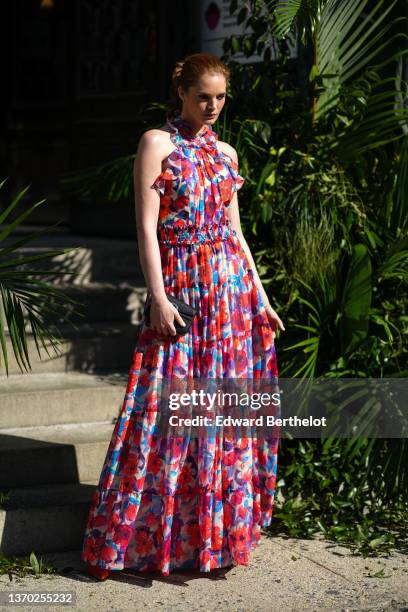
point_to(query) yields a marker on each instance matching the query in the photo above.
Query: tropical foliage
(27, 295)
(326, 163)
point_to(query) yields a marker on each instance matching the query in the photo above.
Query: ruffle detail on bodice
(237, 179)
(173, 172)
(197, 179)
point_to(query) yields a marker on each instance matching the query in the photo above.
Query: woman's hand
(162, 316)
(274, 320)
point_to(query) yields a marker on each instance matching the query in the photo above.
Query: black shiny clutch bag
(186, 311)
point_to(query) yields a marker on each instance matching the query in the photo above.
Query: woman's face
(203, 102)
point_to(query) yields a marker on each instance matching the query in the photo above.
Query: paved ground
(284, 574)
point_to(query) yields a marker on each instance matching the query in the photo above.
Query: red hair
(188, 71)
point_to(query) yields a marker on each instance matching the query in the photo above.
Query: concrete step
(57, 454)
(35, 400)
(97, 259)
(89, 348)
(44, 519)
(103, 302)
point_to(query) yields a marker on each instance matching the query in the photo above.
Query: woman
(162, 505)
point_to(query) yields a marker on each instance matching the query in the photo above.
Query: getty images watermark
(313, 408)
(212, 402)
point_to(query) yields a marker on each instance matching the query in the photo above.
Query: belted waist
(191, 234)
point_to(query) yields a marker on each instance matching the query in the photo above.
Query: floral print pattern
(177, 502)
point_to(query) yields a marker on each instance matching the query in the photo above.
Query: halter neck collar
(184, 132)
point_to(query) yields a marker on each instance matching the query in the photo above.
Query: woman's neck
(197, 129)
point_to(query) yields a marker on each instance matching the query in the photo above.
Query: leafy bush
(324, 210)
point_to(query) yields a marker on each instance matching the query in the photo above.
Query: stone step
(35, 400)
(57, 454)
(97, 259)
(89, 348)
(43, 519)
(102, 302)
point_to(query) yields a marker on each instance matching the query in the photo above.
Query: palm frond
(26, 299)
(348, 42)
(356, 298)
(296, 15)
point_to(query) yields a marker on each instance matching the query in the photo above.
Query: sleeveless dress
(161, 505)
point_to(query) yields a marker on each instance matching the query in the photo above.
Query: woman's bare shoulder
(226, 148)
(156, 140)
(161, 134)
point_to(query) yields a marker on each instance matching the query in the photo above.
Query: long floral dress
(163, 503)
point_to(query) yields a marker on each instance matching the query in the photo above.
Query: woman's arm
(233, 213)
(147, 166)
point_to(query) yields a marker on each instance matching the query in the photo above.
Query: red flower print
(139, 483)
(179, 549)
(227, 511)
(184, 481)
(193, 532)
(131, 382)
(130, 465)
(213, 563)
(242, 512)
(128, 485)
(229, 458)
(205, 557)
(144, 378)
(270, 482)
(108, 554)
(237, 498)
(99, 521)
(226, 190)
(151, 519)
(155, 464)
(241, 539)
(131, 512)
(143, 542)
(216, 543)
(122, 535)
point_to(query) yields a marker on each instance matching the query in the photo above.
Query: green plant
(25, 296)
(325, 212)
(327, 493)
(23, 566)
